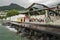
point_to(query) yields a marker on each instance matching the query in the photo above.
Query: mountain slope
(12, 6)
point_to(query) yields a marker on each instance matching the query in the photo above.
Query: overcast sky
(26, 3)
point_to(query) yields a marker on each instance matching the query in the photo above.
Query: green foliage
(1, 17)
(12, 13)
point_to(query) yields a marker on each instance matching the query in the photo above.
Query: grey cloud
(26, 3)
(5, 2)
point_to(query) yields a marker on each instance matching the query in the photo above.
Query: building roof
(43, 6)
(36, 4)
(46, 8)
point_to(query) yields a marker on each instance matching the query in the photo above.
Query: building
(58, 8)
(3, 13)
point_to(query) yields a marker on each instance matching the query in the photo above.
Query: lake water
(7, 33)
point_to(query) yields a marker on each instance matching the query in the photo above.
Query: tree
(1, 17)
(12, 13)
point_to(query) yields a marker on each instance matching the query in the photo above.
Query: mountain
(11, 6)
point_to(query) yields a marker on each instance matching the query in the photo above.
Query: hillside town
(36, 22)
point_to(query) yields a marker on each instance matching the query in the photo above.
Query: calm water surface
(6, 34)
